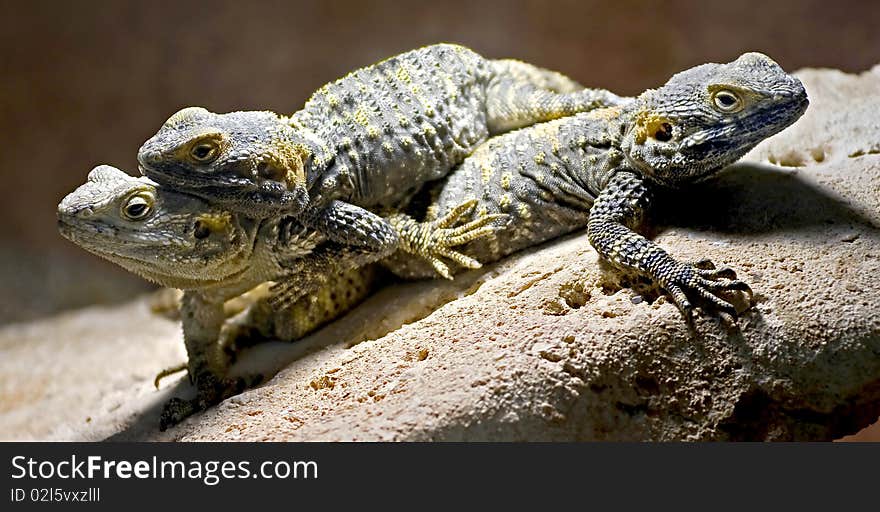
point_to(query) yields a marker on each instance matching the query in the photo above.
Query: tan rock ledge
(544, 346)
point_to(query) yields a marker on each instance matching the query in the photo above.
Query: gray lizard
(601, 170)
(360, 145)
(214, 255)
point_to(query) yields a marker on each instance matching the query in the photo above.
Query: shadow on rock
(750, 198)
(384, 312)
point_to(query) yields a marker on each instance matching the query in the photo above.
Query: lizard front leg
(355, 237)
(167, 302)
(207, 364)
(203, 319)
(256, 319)
(618, 209)
(352, 225)
(430, 240)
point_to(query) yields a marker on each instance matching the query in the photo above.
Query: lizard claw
(704, 280)
(441, 268)
(167, 372)
(211, 391)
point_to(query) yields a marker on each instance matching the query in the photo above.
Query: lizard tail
(541, 78)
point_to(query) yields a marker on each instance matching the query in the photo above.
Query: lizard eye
(205, 151)
(726, 101)
(138, 206)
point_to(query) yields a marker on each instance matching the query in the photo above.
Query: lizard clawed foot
(435, 240)
(704, 280)
(211, 391)
(175, 411)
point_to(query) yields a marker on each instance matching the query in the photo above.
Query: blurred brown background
(85, 83)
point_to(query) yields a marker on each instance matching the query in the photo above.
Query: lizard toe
(715, 273)
(724, 285)
(703, 264)
(168, 372)
(440, 267)
(456, 213)
(175, 411)
(461, 259)
(679, 298)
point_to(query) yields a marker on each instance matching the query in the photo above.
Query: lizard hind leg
(340, 294)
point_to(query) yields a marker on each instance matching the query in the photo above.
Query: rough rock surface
(545, 345)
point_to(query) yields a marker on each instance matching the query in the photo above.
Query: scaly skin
(600, 170)
(361, 144)
(181, 241)
(596, 170)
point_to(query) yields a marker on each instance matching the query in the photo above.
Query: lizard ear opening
(209, 223)
(201, 230)
(286, 165)
(663, 132)
(271, 172)
(654, 126)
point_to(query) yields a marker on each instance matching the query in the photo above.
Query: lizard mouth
(258, 194)
(172, 175)
(72, 230)
(150, 268)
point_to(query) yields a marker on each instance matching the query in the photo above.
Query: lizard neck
(318, 155)
(598, 136)
(229, 273)
(646, 139)
(244, 267)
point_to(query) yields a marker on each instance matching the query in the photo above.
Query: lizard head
(173, 239)
(250, 161)
(709, 116)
